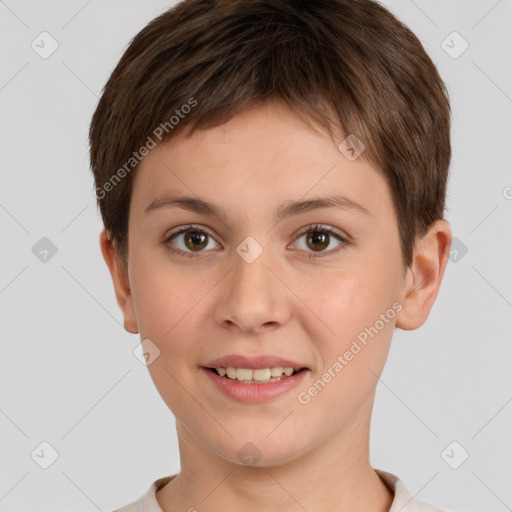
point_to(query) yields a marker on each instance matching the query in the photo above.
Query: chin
(262, 452)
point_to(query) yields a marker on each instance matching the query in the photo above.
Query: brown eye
(196, 240)
(189, 240)
(317, 240)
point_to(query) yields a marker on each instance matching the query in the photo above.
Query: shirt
(402, 501)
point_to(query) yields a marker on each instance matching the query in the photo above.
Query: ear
(424, 275)
(118, 271)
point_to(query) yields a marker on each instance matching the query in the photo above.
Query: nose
(253, 299)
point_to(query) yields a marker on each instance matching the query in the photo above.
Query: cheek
(357, 321)
(162, 295)
(168, 311)
(355, 354)
(350, 299)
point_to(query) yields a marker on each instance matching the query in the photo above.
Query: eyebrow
(287, 209)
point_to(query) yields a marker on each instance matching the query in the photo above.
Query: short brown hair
(345, 65)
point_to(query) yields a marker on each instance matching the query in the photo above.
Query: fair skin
(212, 303)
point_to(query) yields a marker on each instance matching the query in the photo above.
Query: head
(274, 103)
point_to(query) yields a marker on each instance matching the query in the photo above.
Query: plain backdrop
(69, 377)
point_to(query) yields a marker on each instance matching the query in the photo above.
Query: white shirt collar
(402, 502)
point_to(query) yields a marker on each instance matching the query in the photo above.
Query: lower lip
(254, 393)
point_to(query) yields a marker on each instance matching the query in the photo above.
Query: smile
(254, 386)
(255, 375)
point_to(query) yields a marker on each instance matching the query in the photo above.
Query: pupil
(196, 236)
(318, 238)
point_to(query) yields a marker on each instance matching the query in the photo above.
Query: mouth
(254, 385)
(256, 375)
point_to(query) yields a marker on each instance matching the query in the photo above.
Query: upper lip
(263, 361)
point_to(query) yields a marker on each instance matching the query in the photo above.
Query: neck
(334, 476)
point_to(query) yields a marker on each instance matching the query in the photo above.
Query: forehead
(263, 155)
(269, 128)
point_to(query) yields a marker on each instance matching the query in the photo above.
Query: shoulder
(147, 502)
(403, 501)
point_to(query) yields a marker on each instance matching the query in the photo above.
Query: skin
(314, 456)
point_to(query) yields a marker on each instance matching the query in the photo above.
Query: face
(249, 280)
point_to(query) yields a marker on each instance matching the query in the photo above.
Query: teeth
(231, 372)
(277, 371)
(243, 373)
(260, 374)
(256, 375)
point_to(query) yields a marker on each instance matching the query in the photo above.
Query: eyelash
(312, 229)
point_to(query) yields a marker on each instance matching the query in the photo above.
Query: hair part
(346, 66)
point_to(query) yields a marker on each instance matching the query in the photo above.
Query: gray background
(68, 373)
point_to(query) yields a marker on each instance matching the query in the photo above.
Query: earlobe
(424, 276)
(120, 281)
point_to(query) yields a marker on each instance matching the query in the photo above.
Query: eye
(194, 240)
(319, 238)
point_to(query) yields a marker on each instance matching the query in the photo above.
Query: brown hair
(346, 65)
